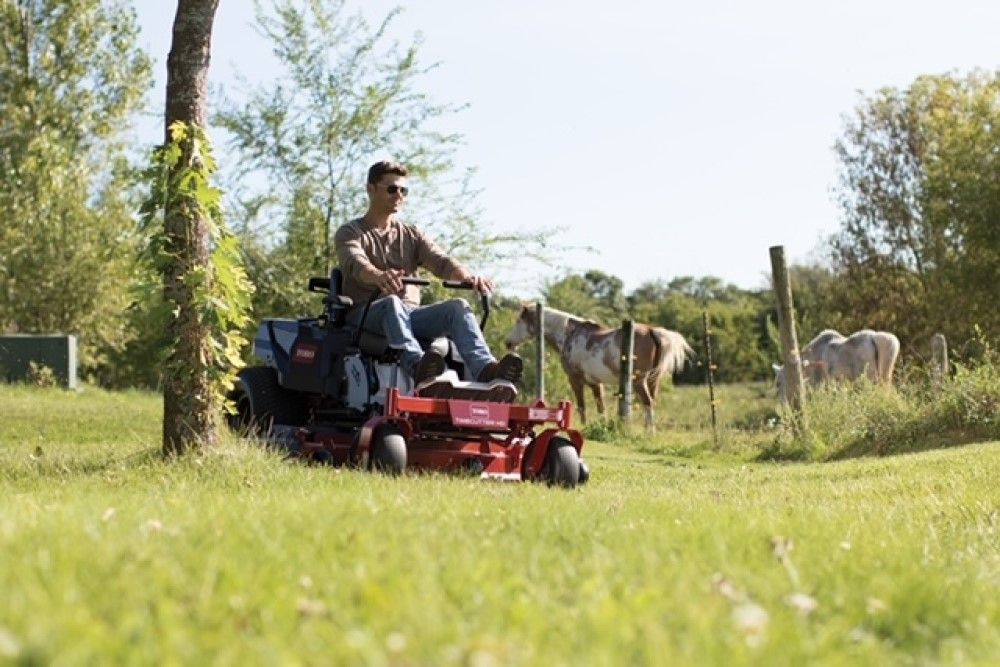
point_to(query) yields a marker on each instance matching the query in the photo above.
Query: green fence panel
(56, 351)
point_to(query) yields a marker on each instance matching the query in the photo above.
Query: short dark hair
(380, 169)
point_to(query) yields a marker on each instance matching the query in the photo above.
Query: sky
(673, 139)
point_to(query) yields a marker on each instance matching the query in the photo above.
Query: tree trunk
(189, 413)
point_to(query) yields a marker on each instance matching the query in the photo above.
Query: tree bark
(189, 413)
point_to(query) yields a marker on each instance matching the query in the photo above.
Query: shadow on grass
(895, 444)
(42, 464)
(778, 452)
(891, 443)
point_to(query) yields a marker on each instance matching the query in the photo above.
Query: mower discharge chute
(331, 392)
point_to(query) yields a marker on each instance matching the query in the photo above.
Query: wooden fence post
(794, 385)
(710, 369)
(625, 375)
(940, 368)
(540, 351)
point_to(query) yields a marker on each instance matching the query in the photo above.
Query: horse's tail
(672, 351)
(886, 353)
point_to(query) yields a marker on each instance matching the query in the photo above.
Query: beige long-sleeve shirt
(363, 251)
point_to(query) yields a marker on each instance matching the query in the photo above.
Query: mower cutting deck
(494, 440)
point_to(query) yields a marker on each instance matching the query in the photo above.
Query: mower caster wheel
(388, 450)
(562, 464)
(584, 472)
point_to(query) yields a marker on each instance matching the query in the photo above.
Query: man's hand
(390, 282)
(481, 284)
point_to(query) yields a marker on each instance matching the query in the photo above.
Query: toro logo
(305, 354)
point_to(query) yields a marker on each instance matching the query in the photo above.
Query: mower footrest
(447, 385)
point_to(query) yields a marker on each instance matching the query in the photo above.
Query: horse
(590, 354)
(831, 356)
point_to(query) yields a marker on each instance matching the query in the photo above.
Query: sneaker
(508, 368)
(430, 366)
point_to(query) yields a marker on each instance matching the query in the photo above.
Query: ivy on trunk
(204, 286)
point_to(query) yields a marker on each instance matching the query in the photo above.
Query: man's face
(389, 194)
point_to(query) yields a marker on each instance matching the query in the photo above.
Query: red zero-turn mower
(333, 393)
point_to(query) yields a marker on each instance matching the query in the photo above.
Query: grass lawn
(678, 551)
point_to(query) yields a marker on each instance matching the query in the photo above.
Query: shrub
(606, 429)
(41, 375)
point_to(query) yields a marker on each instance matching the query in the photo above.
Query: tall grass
(848, 420)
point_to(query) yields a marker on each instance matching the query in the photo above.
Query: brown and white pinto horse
(591, 354)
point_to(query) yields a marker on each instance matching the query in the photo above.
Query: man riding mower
(332, 392)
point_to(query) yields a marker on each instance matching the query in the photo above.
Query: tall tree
(919, 249)
(71, 78)
(189, 408)
(736, 319)
(594, 295)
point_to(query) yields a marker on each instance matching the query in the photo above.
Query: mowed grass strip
(237, 556)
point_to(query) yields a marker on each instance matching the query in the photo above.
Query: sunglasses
(401, 189)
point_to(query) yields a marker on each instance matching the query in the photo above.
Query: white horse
(831, 356)
(591, 354)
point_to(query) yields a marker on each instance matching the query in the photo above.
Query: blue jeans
(402, 324)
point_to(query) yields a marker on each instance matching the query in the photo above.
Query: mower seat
(375, 345)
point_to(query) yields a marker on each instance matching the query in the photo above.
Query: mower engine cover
(306, 357)
(366, 378)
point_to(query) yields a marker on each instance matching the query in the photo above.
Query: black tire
(388, 451)
(322, 457)
(261, 402)
(284, 439)
(562, 464)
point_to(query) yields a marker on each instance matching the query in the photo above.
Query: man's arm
(429, 254)
(352, 258)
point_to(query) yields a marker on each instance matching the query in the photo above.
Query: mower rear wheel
(562, 464)
(388, 450)
(261, 402)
